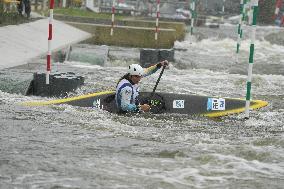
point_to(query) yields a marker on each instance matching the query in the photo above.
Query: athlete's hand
(145, 107)
(164, 63)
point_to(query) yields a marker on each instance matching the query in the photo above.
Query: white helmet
(135, 69)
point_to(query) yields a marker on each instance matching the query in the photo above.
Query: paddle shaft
(157, 82)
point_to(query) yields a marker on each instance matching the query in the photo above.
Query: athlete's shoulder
(123, 83)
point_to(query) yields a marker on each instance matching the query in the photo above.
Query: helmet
(135, 69)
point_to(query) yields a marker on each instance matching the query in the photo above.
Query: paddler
(127, 89)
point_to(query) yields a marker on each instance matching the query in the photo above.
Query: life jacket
(124, 86)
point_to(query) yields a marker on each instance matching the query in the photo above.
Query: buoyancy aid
(127, 96)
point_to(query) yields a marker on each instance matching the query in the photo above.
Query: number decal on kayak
(178, 104)
(216, 104)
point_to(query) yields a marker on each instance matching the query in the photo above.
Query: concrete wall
(127, 36)
(129, 33)
(20, 43)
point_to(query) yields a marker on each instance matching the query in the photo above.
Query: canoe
(163, 103)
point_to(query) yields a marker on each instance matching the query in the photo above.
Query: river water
(73, 147)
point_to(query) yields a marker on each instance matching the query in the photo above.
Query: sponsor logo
(155, 102)
(216, 104)
(97, 103)
(178, 104)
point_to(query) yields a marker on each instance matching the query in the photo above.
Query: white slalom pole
(112, 17)
(223, 11)
(48, 63)
(250, 14)
(193, 14)
(254, 4)
(240, 30)
(190, 11)
(157, 20)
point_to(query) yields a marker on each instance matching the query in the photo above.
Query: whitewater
(62, 146)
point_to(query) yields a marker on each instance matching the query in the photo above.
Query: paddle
(156, 106)
(157, 82)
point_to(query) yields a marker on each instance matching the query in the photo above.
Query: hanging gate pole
(112, 17)
(50, 31)
(193, 15)
(243, 3)
(223, 11)
(157, 20)
(254, 4)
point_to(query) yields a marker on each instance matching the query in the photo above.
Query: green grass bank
(127, 36)
(129, 31)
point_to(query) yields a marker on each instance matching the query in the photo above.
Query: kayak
(162, 103)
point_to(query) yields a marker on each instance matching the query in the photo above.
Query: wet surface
(72, 147)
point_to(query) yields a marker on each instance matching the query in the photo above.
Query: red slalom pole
(50, 34)
(112, 17)
(157, 20)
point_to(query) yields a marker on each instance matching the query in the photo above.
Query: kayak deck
(168, 103)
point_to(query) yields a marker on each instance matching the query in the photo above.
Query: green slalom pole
(193, 15)
(240, 28)
(244, 6)
(254, 5)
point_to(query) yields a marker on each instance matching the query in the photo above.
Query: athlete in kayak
(127, 89)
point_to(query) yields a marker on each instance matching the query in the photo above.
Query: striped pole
(240, 27)
(223, 11)
(157, 20)
(250, 14)
(277, 8)
(188, 4)
(254, 4)
(48, 64)
(112, 17)
(190, 13)
(193, 15)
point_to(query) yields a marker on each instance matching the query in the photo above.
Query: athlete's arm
(152, 69)
(126, 105)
